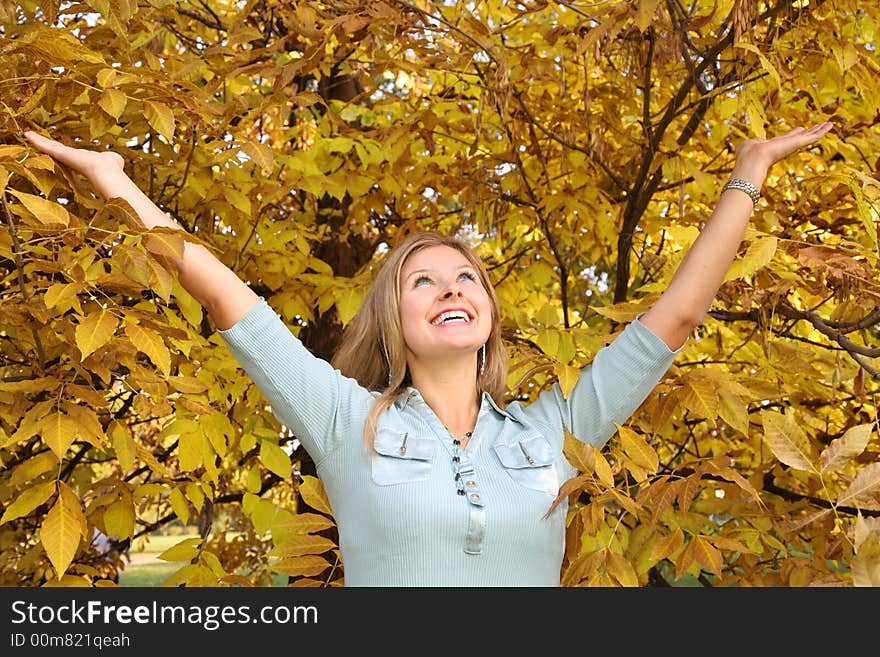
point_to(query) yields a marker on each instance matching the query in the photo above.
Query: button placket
(465, 477)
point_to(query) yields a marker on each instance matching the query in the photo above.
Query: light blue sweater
(401, 519)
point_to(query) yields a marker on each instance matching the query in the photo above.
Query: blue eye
(420, 280)
(468, 275)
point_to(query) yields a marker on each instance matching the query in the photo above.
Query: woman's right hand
(226, 297)
(102, 168)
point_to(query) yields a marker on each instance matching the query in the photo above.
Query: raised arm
(693, 287)
(223, 294)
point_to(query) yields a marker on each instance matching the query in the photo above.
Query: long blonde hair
(372, 349)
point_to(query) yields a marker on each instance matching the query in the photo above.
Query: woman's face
(444, 308)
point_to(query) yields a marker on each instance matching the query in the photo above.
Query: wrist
(750, 172)
(744, 186)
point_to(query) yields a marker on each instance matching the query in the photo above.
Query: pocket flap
(402, 445)
(532, 452)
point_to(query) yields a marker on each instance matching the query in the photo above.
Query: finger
(43, 143)
(64, 154)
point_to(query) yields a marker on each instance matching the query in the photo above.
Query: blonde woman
(432, 479)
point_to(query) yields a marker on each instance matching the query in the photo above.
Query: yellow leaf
(581, 455)
(548, 341)
(193, 575)
(309, 565)
(106, 77)
(188, 305)
(603, 469)
(186, 550)
(160, 117)
(71, 581)
(659, 496)
(700, 396)
(312, 491)
(635, 447)
(62, 529)
(123, 444)
(179, 504)
(166, 242)
(190, 451)
(733, 411)
(843, 449)
(89, 426)
(645, 13)
(583, 568)
(866, 213)
(300, 523)
(347, 303)
(865, 564)
(160, 279)
(217, 428)
(195, 495)
(864, 489)
(275, 459)
(567, 377)
(33, 468)
(150, 343)
(59, 431)
(113, 102)
(59, 293)
(189, 384)
(625, 311)
(260, 154)
(237, 200)
(705, 554)
(621, 570)
(212, 562)
(94, 332)
(668, 545)
(29, 500)
(41, 384)
(12, 153)
(718, 467)
(261, 512)
(724, 543)
(758, 254)
(765, 63)
(44, 211)
(58, 46)
(301, 544)
(151, 461)
(119, 519)
(787, 440)
(253, 483)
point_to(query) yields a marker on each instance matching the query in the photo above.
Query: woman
(452, 487)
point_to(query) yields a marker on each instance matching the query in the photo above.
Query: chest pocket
(401, 458)
(530, 462)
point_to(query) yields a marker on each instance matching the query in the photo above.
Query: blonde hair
(372, 349)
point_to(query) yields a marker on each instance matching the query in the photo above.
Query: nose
(452, 290)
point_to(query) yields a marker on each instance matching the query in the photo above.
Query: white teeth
(451, 316)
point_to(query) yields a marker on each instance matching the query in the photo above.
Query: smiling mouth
(451, 317)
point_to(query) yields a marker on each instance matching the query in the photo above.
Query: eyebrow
(432, 271)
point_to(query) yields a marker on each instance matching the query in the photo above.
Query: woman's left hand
(754, 157)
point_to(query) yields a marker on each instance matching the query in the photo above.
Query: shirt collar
(411, 393)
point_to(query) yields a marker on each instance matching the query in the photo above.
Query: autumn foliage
(579, 145)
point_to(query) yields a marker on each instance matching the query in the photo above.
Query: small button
(475, 497)
(471, 483)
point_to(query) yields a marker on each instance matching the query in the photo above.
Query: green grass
(155, 574)
(147, 575)
(152, 574)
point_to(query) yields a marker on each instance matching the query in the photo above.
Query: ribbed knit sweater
(404, 517)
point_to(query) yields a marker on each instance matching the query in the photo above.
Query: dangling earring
(483, 364)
